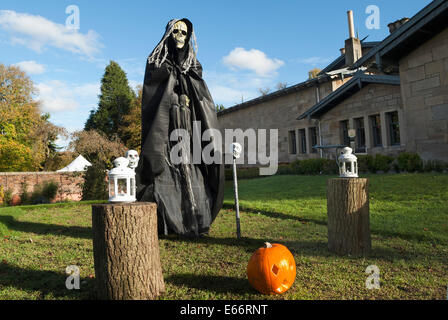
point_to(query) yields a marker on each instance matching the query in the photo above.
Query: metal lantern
(122, 182)
(348, 164)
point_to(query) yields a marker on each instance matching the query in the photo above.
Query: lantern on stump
(348, 164)
(122, 182)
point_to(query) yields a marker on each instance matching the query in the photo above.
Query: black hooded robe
(171, 186)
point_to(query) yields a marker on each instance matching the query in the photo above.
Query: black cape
(175, 188)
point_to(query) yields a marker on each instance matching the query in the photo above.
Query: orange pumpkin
(272, 269)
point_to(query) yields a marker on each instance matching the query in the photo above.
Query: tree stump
(348, 216)
(126, 251)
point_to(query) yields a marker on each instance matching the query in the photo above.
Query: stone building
(393, 93)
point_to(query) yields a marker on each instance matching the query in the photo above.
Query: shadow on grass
(312, 248)
(43, 228)
(273, 214)
(410, 236)
(45, 282)
(217, 284)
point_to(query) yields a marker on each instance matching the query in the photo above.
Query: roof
(358, 81)
(79, 164)
(276, 94)
(429, 21)
(339, 62)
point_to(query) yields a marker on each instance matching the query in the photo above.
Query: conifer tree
(115, 100)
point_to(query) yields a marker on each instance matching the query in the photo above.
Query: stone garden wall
(69, 183)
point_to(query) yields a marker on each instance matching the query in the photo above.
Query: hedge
(404, 162)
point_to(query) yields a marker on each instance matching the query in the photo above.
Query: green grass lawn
(409, 225)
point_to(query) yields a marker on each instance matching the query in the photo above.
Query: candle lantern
(348, 164)
(122, 182)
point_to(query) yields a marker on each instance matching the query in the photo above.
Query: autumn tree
(27, 137)
(95, 146)
(100, 151)
(115, 102)
(130, 130)
(313, 73)
(220, 107)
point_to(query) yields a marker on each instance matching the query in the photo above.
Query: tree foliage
(313, 73)
(130, 130)
(27, 137)
(95, 146)
(115, 102)
(220, 107)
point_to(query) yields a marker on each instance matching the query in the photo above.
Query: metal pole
(237, 206)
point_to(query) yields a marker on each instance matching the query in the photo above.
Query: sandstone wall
(278, 113)
(424, 87)
(373, 99)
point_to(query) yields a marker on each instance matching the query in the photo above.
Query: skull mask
(133, 158)
(180, 34)
(236, 149)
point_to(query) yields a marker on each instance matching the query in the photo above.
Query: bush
(43, 193)
(382, 162)
(366, 163)
(284, 169)
(314, 166)
(7, 197)
(95, 186)
(50, 190)
(409, 162)
(435, 165)
(242, 173)
(24, 196)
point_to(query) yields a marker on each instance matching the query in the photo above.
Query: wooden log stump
(348, 216)
(126, 251)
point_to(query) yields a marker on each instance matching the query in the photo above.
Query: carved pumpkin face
(272, 269)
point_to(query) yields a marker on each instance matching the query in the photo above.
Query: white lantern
(122, 182)
(348, 164)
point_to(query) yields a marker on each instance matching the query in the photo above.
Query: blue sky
(243, 45)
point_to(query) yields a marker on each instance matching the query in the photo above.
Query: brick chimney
(353, 50)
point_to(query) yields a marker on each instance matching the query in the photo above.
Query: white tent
(79, 164)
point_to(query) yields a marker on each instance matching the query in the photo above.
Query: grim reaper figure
(188, 195)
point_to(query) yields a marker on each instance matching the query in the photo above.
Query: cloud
(253, 60)
(37, 33)
(229, 88)
(31, 67)
(59, 96)
(228, 96)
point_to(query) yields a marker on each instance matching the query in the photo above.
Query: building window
(302, 139)
(360, 135)
(292, 142)
(394, 128)
(313, 138)
(345, 140)
(375, 122)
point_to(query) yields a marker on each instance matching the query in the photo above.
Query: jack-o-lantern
(272, 269)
